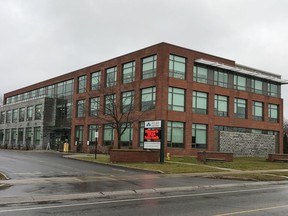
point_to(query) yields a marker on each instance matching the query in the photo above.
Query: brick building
(207, 102)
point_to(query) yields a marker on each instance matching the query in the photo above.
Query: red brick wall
(122, 155)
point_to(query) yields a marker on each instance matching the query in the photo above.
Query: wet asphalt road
(44, 174)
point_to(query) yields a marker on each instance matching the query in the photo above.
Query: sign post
(154, 136)
(96, 142)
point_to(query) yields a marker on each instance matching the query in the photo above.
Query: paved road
(255, 201)
(45, 183)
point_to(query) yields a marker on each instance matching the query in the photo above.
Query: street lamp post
(96, 142)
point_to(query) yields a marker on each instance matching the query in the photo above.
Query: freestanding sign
(154, 136)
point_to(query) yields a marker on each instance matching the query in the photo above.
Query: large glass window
(60, 90)
(1, 136)
(29, 113)
(68, 85)
(176, 99)
(51, 91)
(200, 74)
(7, 136)
(111, 76)
(127, 135)
(80, 108)
(8, 116)
(149, 66)
(94, 106)
(2, 117)
(239, 82)
(82, 84)
(199, 136)
(257, 111)
(127, 101)
(141, 133)
(273, 90)
(108, 135)
(22, 114)
(20, 136)
(79, 137)
(148, 98)
(240, 108)
(221, 105)
(28, 136)
(273, 113)
(38, 112)
(257, 86)
(13, 136)
(92, 132)
(37, 135)
(14, 115)
(128, 72)
(95, 80)
(199, 102)
(220, 78)
(177, 67)
(175, 134)
(110, 106)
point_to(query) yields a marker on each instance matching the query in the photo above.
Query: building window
(177, 67)
(1, 136)
(240, 108)
(68, 85)
(239, 82)
(108, 135)
(95, 80)
(2, 117)
(51, 91)
(257, 111)
(37, 135)
(60, 90)
(127, 101)
(220, 79)
(92, 134)
(273, 90)
(110, 101)
(141, 134)
(200, 74)
(14, 115)
(175, 134)
(128, 72)
(127, 135)
(82, 84)
(220, 105)
(21, 114)
(149, 66)
(79, 137)
(111, 76)
(94, 106)
(199, 102)
(257, 86)
(80, 108)
(148, 98)
(8, 116)
(176, 99)
(28, 136)
(13, 135)
(29, 113)
(199, 136)
(7, 136)
(20, 136)
(38, 112)
(273, 113)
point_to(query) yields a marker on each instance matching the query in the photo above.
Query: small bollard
(168, 156)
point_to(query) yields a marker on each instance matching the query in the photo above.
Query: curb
(114, 194)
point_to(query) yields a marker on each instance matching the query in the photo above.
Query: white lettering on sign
(153, 124)
(152, 145)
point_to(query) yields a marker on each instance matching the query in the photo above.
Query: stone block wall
(247, 144)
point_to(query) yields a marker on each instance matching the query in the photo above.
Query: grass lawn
(186, 164)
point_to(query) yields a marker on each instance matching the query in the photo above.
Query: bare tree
(118, 108)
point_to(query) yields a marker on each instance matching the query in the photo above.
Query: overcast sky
(41, 39)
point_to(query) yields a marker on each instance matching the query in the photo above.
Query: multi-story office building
(207, 102)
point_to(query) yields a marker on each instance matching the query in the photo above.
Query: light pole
(96, 141)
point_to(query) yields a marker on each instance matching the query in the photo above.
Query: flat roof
(245, 70)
